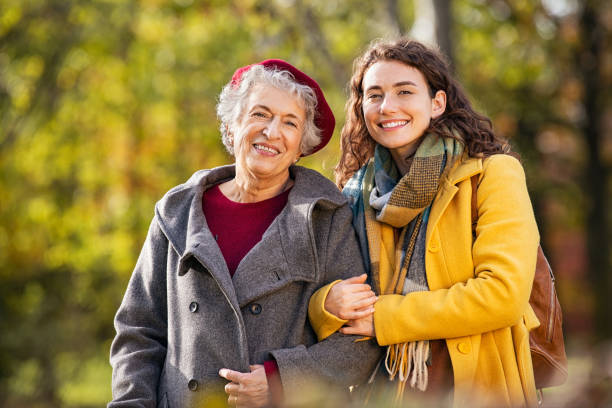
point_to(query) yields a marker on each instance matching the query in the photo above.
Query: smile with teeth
(393, 124)
(266, 149)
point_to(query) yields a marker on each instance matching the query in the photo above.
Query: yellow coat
(478, 297)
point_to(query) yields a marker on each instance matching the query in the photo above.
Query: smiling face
(267, 136)
(397, 106)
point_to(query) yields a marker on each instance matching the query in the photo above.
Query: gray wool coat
(183, 317)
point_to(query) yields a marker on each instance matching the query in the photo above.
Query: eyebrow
(268, 109)
(395, 85)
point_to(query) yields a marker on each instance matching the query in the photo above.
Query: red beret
(324, 117)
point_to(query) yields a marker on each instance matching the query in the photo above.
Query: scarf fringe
(408, 361)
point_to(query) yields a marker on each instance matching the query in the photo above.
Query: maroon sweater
(238, 227)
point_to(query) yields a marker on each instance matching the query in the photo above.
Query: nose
(388, 104)
(272, 129)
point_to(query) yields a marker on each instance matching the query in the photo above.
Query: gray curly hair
(232, 99)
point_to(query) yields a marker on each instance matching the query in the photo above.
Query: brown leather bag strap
(474, 180)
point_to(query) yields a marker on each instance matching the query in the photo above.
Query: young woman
(452, 305)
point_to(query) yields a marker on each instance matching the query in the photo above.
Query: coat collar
(462, 170)
(279, 257)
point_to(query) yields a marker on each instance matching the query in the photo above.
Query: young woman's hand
(362, 327)
(351, 299)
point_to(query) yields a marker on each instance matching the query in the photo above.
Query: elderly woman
(218, 299)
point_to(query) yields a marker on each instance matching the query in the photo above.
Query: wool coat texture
(479, 288)
(183, 317)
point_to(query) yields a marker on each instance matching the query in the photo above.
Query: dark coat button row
(255, 308)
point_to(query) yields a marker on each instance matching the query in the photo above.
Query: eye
(258, 114)
(374, 96)
(291, 123)
(405, 92)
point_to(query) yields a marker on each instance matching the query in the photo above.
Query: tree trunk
(433, 25)
(393, 16)
(424, 26)
(444, 28)
(597, 172)
(317, 42)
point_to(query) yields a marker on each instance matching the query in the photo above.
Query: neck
(403, 160)
(245, 189)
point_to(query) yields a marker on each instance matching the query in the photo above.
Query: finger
(360, 314)
(363, 302)
(352, 303)
(254, 367)
(349, 330)
(359, 296)
(232, 400)
(232, 388)
(358, 288)
(230, 375)
(356, 279)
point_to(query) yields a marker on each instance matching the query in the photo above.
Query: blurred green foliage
(106, 104)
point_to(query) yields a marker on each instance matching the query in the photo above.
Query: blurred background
(106, 104)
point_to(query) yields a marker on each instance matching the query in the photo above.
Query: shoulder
(311, 186)
(502, 168)
(494, 166)
(181, 195)
(186, 188)
(501, 162)
(179, 198)
(503, 180)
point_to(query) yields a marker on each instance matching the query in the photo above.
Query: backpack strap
(474, 180)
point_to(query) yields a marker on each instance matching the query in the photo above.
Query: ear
(438, 104)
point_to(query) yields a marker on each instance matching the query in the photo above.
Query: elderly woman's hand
(351, 299)
(247, 389)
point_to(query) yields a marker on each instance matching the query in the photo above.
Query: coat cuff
(385, 326)
(324, 323)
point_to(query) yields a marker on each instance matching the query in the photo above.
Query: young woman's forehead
(392, 73)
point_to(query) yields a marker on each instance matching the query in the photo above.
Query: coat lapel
(182, 207)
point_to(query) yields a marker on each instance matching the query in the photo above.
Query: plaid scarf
(388, 215)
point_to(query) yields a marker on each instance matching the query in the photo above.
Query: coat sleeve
(339, 359)
(504, 257)
(139, 348)
(323, 322)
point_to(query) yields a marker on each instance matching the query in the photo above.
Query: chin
(267, 169)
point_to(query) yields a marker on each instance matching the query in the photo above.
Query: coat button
(463, 347)
(433, 247)
(255, 308)
(193, 307)
(192, 384)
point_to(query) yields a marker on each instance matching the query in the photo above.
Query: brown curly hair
(459, 120)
